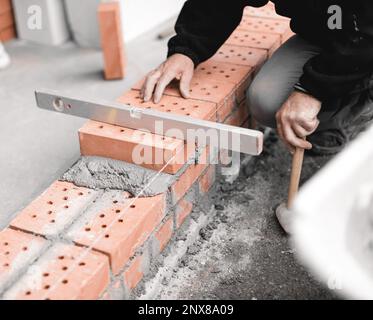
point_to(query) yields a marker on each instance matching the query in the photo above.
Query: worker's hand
(297, 119)
(177, 66)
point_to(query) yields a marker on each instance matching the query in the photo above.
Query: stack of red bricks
(7, 23)
(45, 253)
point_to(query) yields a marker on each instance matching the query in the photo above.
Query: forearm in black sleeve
(203, 26)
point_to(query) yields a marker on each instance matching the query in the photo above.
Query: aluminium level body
(225, 136)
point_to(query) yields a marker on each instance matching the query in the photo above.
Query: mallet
(283, 213)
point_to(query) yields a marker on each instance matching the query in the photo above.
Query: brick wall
(78, 243)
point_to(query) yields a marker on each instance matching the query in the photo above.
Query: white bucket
(334, 224)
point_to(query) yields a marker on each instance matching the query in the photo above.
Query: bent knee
(263, 103)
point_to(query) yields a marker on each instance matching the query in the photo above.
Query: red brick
(114, 291)
(259, 40)
(133, 275)
(224, 111)
(267, 11)
(175, 105)
(7, 34)
(65, 272)
(239, 75)
(206, 90)
(109, 17)
(54, 210)
(221, 71)
(118, 229)
(239, 55)
(6, 20)
(280, 27)
(17, 251)
(164, 234)
(188, 178)
(242, 88)
(5, 5)
(99, 139)
(208, 179)
(183, 209)
(239, 116)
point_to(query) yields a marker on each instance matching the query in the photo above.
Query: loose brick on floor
(5, 6)
(6, 20)
(105, 140)
(186, 107)
(239, 55)
(7, 34)
(260, 40)
(55, 209)
(109, 18)
(120, 226)
(65, 272)
(273, 26)
(17, 251)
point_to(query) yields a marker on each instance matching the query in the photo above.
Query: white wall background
(140, 16)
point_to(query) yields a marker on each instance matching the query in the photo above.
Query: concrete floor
(37, 145)
(243, 253)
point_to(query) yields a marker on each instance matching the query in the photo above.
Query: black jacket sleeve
(204, 25)
(346, 62)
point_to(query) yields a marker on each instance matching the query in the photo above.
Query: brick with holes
(272, 26)
(55, 209)
(118, 226)
(239, 75)
(221, 71)
(187, 107)
(65, 272)
(239, 55)
(134, 146)
(259, 40)
(17, 251)
(203, 89)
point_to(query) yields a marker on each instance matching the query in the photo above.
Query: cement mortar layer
(103, 173)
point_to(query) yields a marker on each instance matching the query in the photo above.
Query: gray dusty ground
(243, 253)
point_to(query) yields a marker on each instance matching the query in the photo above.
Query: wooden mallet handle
(296, 171)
